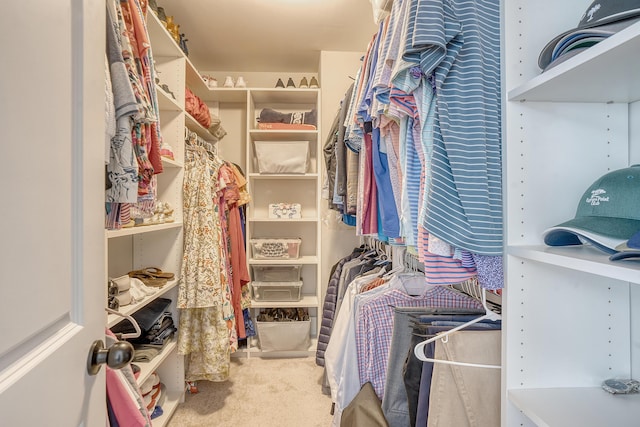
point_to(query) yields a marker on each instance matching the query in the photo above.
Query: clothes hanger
(489, 315)
(137, 333)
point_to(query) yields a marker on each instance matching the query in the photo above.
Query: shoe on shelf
(240, 82)
(228, 82)
(161, 15)
(303, 83)
(211, 82)
(314, 83)
(290, 83)
(166, 89)
(280, 84)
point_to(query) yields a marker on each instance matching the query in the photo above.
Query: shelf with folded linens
(147, 368)
(128, 310)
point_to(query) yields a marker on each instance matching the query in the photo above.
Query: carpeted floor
(260, 392)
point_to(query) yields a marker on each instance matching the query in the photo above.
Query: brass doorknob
(117, 356)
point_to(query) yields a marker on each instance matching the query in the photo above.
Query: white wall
(335, 68)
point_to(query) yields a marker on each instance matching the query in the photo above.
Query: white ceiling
(270, 35)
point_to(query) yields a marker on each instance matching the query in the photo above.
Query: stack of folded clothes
(271, 119)
(153, 395)
(156, 326)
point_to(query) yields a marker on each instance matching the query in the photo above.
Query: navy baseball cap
(602, 19)
(628, 249)
(608, 213)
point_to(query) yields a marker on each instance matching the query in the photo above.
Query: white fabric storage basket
(284, 336)
(277, 291)
(275, 248)
(282, 156)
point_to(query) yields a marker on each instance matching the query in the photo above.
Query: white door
(52, 258)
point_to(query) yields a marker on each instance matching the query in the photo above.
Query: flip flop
(148, 279)
(158, 273)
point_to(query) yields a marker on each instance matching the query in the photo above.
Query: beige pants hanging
(463, 396)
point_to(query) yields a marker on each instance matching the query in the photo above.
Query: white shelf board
(580, 258)
(230, 95)
(196, 127)
(306, 301)
(312, 219)
(147, 368)
(253, 351)
(171, 402)
(168, 163)
(284, 96)
(128, 310)
(605, 72)
(142, 229)
(283, 135)
(310, 260)
(161, 41)
(584, 407)
(194, 79)
(286, 176)
(166, 101)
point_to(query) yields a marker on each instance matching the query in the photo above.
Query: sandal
(158, 273)
(148, 279)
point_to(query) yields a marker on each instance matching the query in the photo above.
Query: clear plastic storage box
(282, 156)
(276, 273)
(275, 248)
(277, 291)
(284, 336)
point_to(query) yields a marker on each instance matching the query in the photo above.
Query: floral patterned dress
(206, 316)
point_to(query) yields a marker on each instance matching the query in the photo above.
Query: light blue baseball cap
(602, 19)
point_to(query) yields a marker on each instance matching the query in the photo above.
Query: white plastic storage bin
(276, 273)
(277, 291)
(275, 248)
(284, 336)
(282, 156)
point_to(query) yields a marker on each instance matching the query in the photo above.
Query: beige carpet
(260, 392)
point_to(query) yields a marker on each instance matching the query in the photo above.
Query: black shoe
(290, 83)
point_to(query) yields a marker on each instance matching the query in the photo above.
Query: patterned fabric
(207, 333)
(375, 326)
(202, 269)
(208, 355)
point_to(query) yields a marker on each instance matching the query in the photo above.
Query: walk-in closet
(320, 213)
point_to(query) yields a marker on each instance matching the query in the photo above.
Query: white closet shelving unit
(571, 315)
(242, 106)
(161, 245)
(286, 188)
